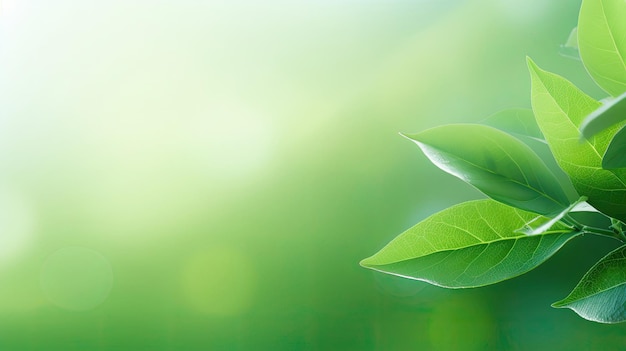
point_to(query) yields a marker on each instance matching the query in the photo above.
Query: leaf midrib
(590, 296)
(508, 238)
(610, 30)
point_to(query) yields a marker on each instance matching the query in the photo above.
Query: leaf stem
(617, 234)
(572, 222)
(600, 231)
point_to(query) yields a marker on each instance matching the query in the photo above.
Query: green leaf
(496, 163)
(615, 155)
(469, 245)
(600, 296)
(541, 224)
(570, 48)
(584, 207)
(610, 113)
(519, 122)
(559, 108)
(602, 42)
(572, 39)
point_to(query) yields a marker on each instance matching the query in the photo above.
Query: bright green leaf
(600, 296)
(559, 108)
(541, 224)
(615, 155)
(469, 245)
(521, 124)
(602, 42)
(496, 163)
(610, 113)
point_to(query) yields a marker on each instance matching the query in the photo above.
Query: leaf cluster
(537, 167)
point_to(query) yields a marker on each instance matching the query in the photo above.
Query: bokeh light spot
(219, 282)
(76, 278)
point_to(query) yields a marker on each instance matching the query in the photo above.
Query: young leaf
(541, 224)
(584, 207)
(607, 115)
(570, 48)
(496, 163)
(469, 245)
(600, 296)
(615, 155)
(559, 108)
(602, 42)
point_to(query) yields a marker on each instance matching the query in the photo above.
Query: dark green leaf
(610, 113)
(559, 108)
(615, 155)
(600, 296)
(496, 163)
(469, 245)
(602, 42)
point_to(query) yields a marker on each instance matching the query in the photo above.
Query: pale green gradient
(233, 161)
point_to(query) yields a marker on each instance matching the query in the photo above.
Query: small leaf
(602, 42)
(570, 48)
(559, 108)
(610, 113)
(584, 207)
(615, 155)
(572, 39)
(600, 296)
(541, 224)
(496, 163)
(469, 245)
(617, 225)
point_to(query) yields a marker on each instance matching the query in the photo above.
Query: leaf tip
(366, 262)
(409, 136)
(559, 304)
(532, 66)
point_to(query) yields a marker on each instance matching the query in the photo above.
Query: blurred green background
(206, 175)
